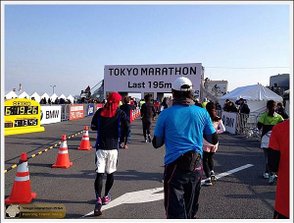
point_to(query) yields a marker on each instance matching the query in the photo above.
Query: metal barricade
(65, 112)
(247, 125)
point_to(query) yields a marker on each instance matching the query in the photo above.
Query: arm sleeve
(94, 122)
(220, 128)
(124, 121)
(158, 139)
(157, 142)
(209, 131)
(260, 121)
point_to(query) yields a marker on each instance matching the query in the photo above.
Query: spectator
(244, 111)
(243, 108)
(279, 160)
(226, 105)
(181, 128)
(266, 122)
(281, 110)
(106, 122)
(232, 107)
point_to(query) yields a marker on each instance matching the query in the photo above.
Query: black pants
(265, 152)
(208, 164)
(181, 191)
(277, 215)
(146, 127)
(98, 184)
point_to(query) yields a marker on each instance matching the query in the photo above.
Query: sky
(68, 45)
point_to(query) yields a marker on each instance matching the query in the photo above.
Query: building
(279, 83)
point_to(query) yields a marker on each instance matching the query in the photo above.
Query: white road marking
(154, 194)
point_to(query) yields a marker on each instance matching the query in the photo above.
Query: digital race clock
(22, 116)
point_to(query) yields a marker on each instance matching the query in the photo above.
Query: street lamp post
(53, 86)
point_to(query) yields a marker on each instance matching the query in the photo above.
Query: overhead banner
(230, 120)
(150, 78)
(50, 114)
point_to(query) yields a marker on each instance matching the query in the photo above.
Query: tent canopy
(24, 95)
(71, 98)
(255, 95)
(53, 97)
(62, 96)
(11, 94)
(45, 95)
(36, 96)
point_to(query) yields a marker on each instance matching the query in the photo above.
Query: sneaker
(98, 205)
(149, 138)
(265, 175)
(106, 199)
(208, 182)
(272, 179)
(212, 176)
(126, 147)
(121, 145)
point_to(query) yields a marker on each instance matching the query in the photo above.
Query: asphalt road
(243, 194)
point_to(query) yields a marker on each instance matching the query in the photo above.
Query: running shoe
(149, 138)
(208, 182)
(98, 205)
(126, 147)
(212, 176)
(106, 199)
(121, 145)
(272, 179)
(265, 175)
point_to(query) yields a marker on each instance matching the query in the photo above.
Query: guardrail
(59, 113)
(241, 124)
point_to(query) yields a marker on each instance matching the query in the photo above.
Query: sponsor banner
(99, 106)
(76, 112)
(230, 120)
(50, 114)
(150, 78)
(90, 109)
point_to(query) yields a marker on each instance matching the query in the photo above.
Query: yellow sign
(22, 116)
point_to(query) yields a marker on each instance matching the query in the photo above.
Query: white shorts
(107, 161)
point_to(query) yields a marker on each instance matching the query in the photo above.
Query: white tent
(36, 96)
(53, 97)
(45, 95)
(10, 95)
(255, 95)
(62, 96)
(71, 98)
(24, 95)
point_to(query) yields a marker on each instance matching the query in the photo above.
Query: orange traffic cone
(21, 190)
(63, 156)
(85, 142)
